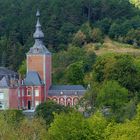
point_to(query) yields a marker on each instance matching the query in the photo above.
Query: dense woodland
(74, 32)
(64, 22)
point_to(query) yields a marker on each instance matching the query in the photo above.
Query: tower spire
(38, 33)
(39, 46)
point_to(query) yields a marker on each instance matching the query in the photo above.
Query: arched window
(75, 100)
(62, 101)
(48, 99)
(55, 99)
(69, 101)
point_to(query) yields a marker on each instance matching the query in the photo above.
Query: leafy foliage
(117, 67)
(74, 126)
(136, 2)
(90, 17)
(70, 66)
(47, 109)
(22, 69)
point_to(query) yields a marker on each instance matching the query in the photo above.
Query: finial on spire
(38, 13)
(38, 33)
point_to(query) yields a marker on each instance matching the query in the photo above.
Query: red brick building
(8, 89)
(37, 86)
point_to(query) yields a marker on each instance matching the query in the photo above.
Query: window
(1, 106)
(1, 96)
(29, 93)
(22, 92)
(36, 92)
(18, 93)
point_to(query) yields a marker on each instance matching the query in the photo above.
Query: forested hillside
(94, 43)
(64, 22)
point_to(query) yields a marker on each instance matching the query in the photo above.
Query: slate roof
(39, 47)
(32, 79)
(5, 77)
(66, 90)
(6, 72)
(4, 82)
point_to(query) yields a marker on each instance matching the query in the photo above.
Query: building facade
(37, 86)
(8, 89)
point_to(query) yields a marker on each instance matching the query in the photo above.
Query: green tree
(89, 60)
(64, 59)
(102, 67)
(75, 73)
(15, 126)
(126, 73)
(9, 122)
(135, 2)
(32, 129)
(3, 59)
(47, 109)
(97, 35)
(74, 126)
(87, 30)
(96, 127)
(68, 126)
(79, 38)
(132, 37)
(22, 69)
(104, 24)
(117, 67)
(126, 131)
(115, 30)
(112, 95)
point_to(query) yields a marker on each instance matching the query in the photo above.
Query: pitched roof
(6, 72)
(68, 90)
(4, 82)
(6, 75)
(67, 87)
(32, 79)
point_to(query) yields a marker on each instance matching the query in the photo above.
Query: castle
(37, 86)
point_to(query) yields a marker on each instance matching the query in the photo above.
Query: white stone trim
(44, 69)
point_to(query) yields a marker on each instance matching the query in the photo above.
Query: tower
(39, 58)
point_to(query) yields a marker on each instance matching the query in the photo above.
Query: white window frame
(1, 96)
(28, 92)
(36, 92)
(23, 92)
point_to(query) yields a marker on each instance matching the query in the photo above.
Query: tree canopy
(78, 22)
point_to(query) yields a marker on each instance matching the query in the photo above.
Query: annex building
(37, 86)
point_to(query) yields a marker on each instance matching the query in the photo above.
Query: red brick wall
(48, 72)
(24, 99)
(35, 63)
(13, 98)
(43, 65)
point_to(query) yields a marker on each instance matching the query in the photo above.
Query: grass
(110, 46)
